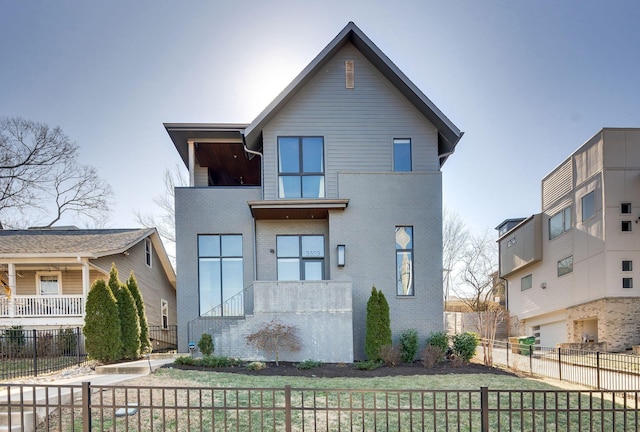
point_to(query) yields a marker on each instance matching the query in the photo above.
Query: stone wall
(618, 322)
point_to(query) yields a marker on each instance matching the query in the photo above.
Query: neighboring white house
(334, 188)
(571, 268)
(47, 274)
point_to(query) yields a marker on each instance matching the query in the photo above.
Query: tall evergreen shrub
(102, 324)
(378, 325)
(145, 342)
(129, 324)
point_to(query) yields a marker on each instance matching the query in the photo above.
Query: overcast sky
(527, 81)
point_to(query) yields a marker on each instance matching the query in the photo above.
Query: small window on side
(626, 226)
(588, 206)
(565, 266)
(625, 208)
(402, 154)
(627, 265)
(627, 282)
(526, 282)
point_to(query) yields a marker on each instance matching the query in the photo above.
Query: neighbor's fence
(591, 369)
(163, 339)
(91, 407)
(33, 352)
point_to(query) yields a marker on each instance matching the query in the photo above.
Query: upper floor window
(625, 208)
(627, 265)
(565, 266)
(588, 206)
(220, 274)
(559, 223)
(301, 167)
(300, 257)
(526, 282)
(148, 251)
(402, 154)
(404, 260)
(626, 225)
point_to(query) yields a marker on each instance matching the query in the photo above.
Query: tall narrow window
(588, 206)
(301, 167)
(402, 154)
(148, 251)
(220, 275)
(164, 313)
(300, 257)
(404, 260)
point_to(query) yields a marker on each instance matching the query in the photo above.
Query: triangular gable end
(448, 133)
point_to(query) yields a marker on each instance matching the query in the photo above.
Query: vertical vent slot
(349, 74)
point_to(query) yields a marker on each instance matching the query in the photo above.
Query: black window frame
(301, 259)
(301, 173)
(626, 208)
(410, 251)
(397, 142)
(627, 265)
(626, 226)
(627, 282)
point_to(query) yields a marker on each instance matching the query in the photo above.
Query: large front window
(220, 272)
(404, 260)
(300, 257)
(301, 167)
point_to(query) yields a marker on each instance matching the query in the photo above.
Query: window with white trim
(148, 252)
(164, 313)
(49, 283)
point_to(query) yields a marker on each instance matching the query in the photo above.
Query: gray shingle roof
(95, 242)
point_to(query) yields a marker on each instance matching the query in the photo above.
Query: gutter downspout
(255, 239)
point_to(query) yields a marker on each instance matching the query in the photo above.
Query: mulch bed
(342, 370)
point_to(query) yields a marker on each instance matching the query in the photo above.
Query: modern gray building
(333, 189)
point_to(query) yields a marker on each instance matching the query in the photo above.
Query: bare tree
(274, 337)
(477, 288)
(454, 242)
(165, 221)
(40, 178)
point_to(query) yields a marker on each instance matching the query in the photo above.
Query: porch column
(192, 163)
(12, 285)
(85, 286)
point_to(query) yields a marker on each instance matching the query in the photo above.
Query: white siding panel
(358, 125)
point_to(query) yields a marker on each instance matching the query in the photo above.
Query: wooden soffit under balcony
(296, 209)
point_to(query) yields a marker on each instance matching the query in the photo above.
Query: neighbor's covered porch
(45, 293)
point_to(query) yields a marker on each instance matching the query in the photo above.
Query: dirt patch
(344, 370)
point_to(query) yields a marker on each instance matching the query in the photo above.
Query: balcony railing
(42, 306)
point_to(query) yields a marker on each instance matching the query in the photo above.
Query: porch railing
(42, 306)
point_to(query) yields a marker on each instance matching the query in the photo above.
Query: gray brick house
(334, 188)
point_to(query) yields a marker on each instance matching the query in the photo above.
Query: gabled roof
(83, 243)
(448, 133)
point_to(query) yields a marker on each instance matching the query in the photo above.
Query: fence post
(287, 407)
(598, 369)
(35, 352)
(531, 359)
(508, 349)
(484, 408)
(559, 363)
(86, 406)
(78, 345)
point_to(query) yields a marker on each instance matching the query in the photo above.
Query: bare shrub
(432, 355)
(390, 355)
(274, 337)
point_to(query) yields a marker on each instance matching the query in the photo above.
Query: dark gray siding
(215, 210)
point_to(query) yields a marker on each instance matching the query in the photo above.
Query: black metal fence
(163, 339)
(33, 352)
(591, 369)
(89, 407)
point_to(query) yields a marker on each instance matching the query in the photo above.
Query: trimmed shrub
(378, 325)
(205, 344)
(390, 355)
(274, 337)
(409, 345)
(129, 324)
(185, 360)
(308, 364)
(145, 342)
(219, 361)
(440, 340)
(367, 365)
(464, 345)
(102, 324)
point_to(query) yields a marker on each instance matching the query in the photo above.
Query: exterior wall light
(341, 255)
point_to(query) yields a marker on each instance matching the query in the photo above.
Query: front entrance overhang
(295, 209)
